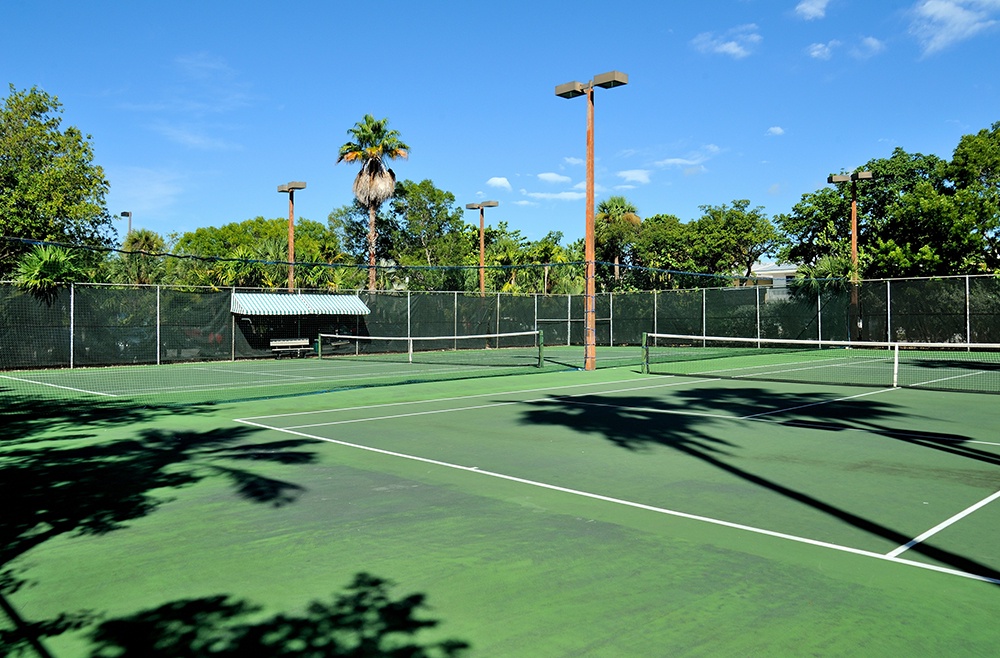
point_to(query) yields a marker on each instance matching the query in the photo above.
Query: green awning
(264, 303)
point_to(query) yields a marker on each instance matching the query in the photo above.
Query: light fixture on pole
(482, 240)
(853, 179)
(572, 90)
(290, 188)
(127, 215)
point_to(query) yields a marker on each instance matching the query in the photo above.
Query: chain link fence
(100, 325)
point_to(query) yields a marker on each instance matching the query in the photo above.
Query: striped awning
(263, 303)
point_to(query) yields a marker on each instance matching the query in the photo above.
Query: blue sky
(199, 110)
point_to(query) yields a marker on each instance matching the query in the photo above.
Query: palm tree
(372, 144)
(616, 226)
(46, 268)
(142, 267)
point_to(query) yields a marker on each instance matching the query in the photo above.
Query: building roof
(267, 303)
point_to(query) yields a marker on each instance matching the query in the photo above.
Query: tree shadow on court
(25, 419)
(682, 422)
(363, 621)
(835, 415)
(64, 478)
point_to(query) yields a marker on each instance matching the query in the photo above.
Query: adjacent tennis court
(568, 513)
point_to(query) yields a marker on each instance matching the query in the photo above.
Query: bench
(291, 346)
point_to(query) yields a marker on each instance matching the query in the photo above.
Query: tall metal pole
(590, 309)
(481, 207)
(482, 251)
(291, 240)
(572, 90)
(290, 188)
(854, 226)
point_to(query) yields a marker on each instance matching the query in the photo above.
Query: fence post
(888, 311)
(569, 320)
(72, 321)
(819, 316)
(158, 342)
(757, 298)
(232, 326)
(968, 312)
(611, 319)
(704, 323)
(656, 312)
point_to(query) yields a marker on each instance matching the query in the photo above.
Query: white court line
(560, 398)
(476, 395)
(945, 379)
(941, 526)
(816, 404)
(66, 388)
(628, 503)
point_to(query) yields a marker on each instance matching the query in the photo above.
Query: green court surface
(568, 513)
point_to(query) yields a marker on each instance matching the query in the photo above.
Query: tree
(919, 216)
(819, 226)
(350, 225)
(139, 265)
(50, 189)
(372, 144)
(664, 243)
(977, 159)
(429, 223)
(44, 269)
(616, 226)
(732, 239)
(250, 242)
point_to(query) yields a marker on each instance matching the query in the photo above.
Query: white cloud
(499, 181)
(775, 131)
(695, 158)
(634, 175)
(145, 191)
(557, 196)
(195, 137)
(811, 9)
(575, 161)
(822, 50)
(939, 24)
(869, 47)
(550, 177)
(738, 42)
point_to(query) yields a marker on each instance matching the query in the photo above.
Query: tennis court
(569, 513)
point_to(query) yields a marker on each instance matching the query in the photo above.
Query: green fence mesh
(94, 325)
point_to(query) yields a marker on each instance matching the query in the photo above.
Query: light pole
(127, 215)
(482, 240)
(853, 178)
(290, 188)
(572, 90)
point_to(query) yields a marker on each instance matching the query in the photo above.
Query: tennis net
(497, 350)
(970, 367)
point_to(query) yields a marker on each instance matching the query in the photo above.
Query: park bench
(291, 346)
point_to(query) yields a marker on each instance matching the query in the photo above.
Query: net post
(645, 354)
(541, 346)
